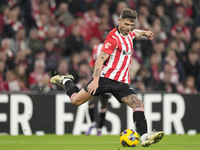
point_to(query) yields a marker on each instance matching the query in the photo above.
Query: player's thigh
(132, 101)
(81, 97)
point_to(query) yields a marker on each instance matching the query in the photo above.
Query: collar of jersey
(120, 32)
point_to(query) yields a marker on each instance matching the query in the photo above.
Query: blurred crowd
(42, 38)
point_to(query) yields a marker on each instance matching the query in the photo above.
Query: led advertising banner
(54, 114)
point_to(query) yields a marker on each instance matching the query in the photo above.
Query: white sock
(143, 136)
(65, 80)
(94, 123)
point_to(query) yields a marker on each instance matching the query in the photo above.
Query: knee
(76, 102)
(142, 105)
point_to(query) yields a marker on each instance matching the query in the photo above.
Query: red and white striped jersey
(119, 48)
(95, 53)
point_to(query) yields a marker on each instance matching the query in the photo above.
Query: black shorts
(117, 89)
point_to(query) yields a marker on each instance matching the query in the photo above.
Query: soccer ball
(129, 138)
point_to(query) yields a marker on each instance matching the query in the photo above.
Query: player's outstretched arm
(148, 34)
(97, 70)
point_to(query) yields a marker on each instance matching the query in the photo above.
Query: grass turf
(83, 142)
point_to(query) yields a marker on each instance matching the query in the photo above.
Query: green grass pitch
(83, 142)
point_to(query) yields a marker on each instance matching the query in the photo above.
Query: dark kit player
(103, 97)
(114, 77)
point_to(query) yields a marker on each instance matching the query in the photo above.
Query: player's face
(125, 26)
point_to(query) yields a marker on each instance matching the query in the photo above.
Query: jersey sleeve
(133, 34)
(109, 45)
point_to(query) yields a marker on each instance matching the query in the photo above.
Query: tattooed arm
(139, 33)
(99, 64)
(97, 70)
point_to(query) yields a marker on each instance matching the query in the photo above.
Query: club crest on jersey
(107, 45)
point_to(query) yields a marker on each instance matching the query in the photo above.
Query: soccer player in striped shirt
(114, 77)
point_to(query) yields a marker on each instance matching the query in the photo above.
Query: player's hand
(149, 35)
(92, 87)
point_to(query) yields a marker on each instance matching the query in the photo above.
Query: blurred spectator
(20, 59)
(92, 21)
(196, 35)
(20, 42)
(85, 54)
(159, 50)
(102, 26)
(184, 10)
(181, 27)
(159, 33)
(145, 77)
(13, 24)
(192, 64)
(58, 40)
(3, 83)
(79, 20)
(38, 80)
(62, 11)
(20, 73)
(165, 21)
(142, 23)
(52, 57)
(169, 8)
(73, 66)
(84, 70)
(43, 26)
(197, 17)
(47, 7)
(62, 69)
(4, 14)
(189, 86)
(93, 42)
(83, 81)
(74, 41)
(143, 44)
(13, 83)
(144, 11)
(135, 66)
(9, 62)
(6, 47)
(177, 68)
(9, 2)
(114, 17)
(165, 84)
(168, 68)
(195, 45)
(179, 38)
(33, 42)
(154, 67)
(103, 10)
(139, 84)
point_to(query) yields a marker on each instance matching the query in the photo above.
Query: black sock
(71, 88)
(69, 84)
(140, 122)
(102, 119)
(91, 113)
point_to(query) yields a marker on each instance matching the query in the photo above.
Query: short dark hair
(128, 14)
